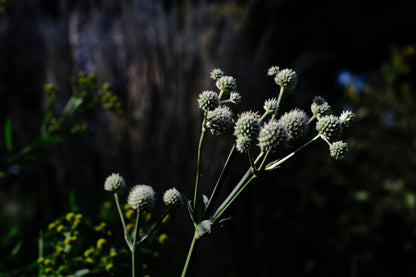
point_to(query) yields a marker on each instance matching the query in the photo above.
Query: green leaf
(8, 134)
(203, 228)
(52, 139)
(191, 212)
(206, 200)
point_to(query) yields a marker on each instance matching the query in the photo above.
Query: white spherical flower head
(347, 117)
(141, 198)
(114, 182)
(172, 198)
(286, 78)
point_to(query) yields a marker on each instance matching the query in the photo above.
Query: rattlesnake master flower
(220, 120)
(248, 125)
(270, 105)
(141, 198)
(295, 122)
(208, 100)
(173, 198)
(114, 182)
(226, 84)
(347, 117)
(235, 97)
(243, 143)
(216, 74)
(272, 136)
(286, 78)
(329, 127)
(273, 71)
(338, 149)
(320, 107)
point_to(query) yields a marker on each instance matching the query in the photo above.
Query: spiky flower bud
(329, 127)
(286, 78)
(273, 71)
(235, 97)
(338, 149)
(226, 84)
(272, 136)
(248, 125)
(141, 198)
(243, 143)
(216, 73)
(208, 100)
(295, 123)
(320, 107)
(347, 117)
(270, 105)
(173, 198)
(114, 182)
(220, 120)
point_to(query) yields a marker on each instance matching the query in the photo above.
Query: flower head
(172, 198)
(270, 105)
(248, 124)
(347, 117)
(216, 73)
(295, 123)
(338, 149)
(329, 127)
(235, 97)
(286, 78)
(226, 84)
(320, 107)
(114, 182)
(272, 136)
(220, 120)
(208, 100)
(243, 143)
(273, 71)
(141, 198)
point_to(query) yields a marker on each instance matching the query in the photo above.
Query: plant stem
(198, 166)
(133, 248)
(188, 258)
(126, 234)
(279, 99)
(220, 180)
(154, 226)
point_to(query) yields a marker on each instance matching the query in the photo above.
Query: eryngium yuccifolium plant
(320, 107)
(295, 122)
(286, 78)
(208, 100)
(329, 127)
(272, 136)
(270, 105)
(235, 97)
(226, 84)
(172, 198)
(114, 182)
(220, 120)
(216, 74)
(346, 118)
(338, 149)
(141, 198)
(248, 124)
(243, 143)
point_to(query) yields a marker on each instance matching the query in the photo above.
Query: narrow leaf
(206, 200)
(191, 212)
(203, 228)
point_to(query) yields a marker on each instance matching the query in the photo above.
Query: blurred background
(313, 217)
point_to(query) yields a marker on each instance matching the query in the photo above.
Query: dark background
(314, 217)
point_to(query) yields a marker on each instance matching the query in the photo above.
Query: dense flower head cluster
(286, 78)
(243, 143)
(272, 136)
(220, 120)
(141, 198)
(295, 122)
(270, 105)
(216, 73)
(329, 127)
(338, 149)
(208, 100)
(172, 198)
(248, 125)
(320, 107)
(114, 182)
(235, 97)
(347, 117)
(226, 84)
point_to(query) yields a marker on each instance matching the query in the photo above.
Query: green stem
(188, 258)
(275, 164)
(126, 233)
(154, 227)
(279, 99)
(133, 248)
(218, 216)
(220, 180)
(201, 139)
